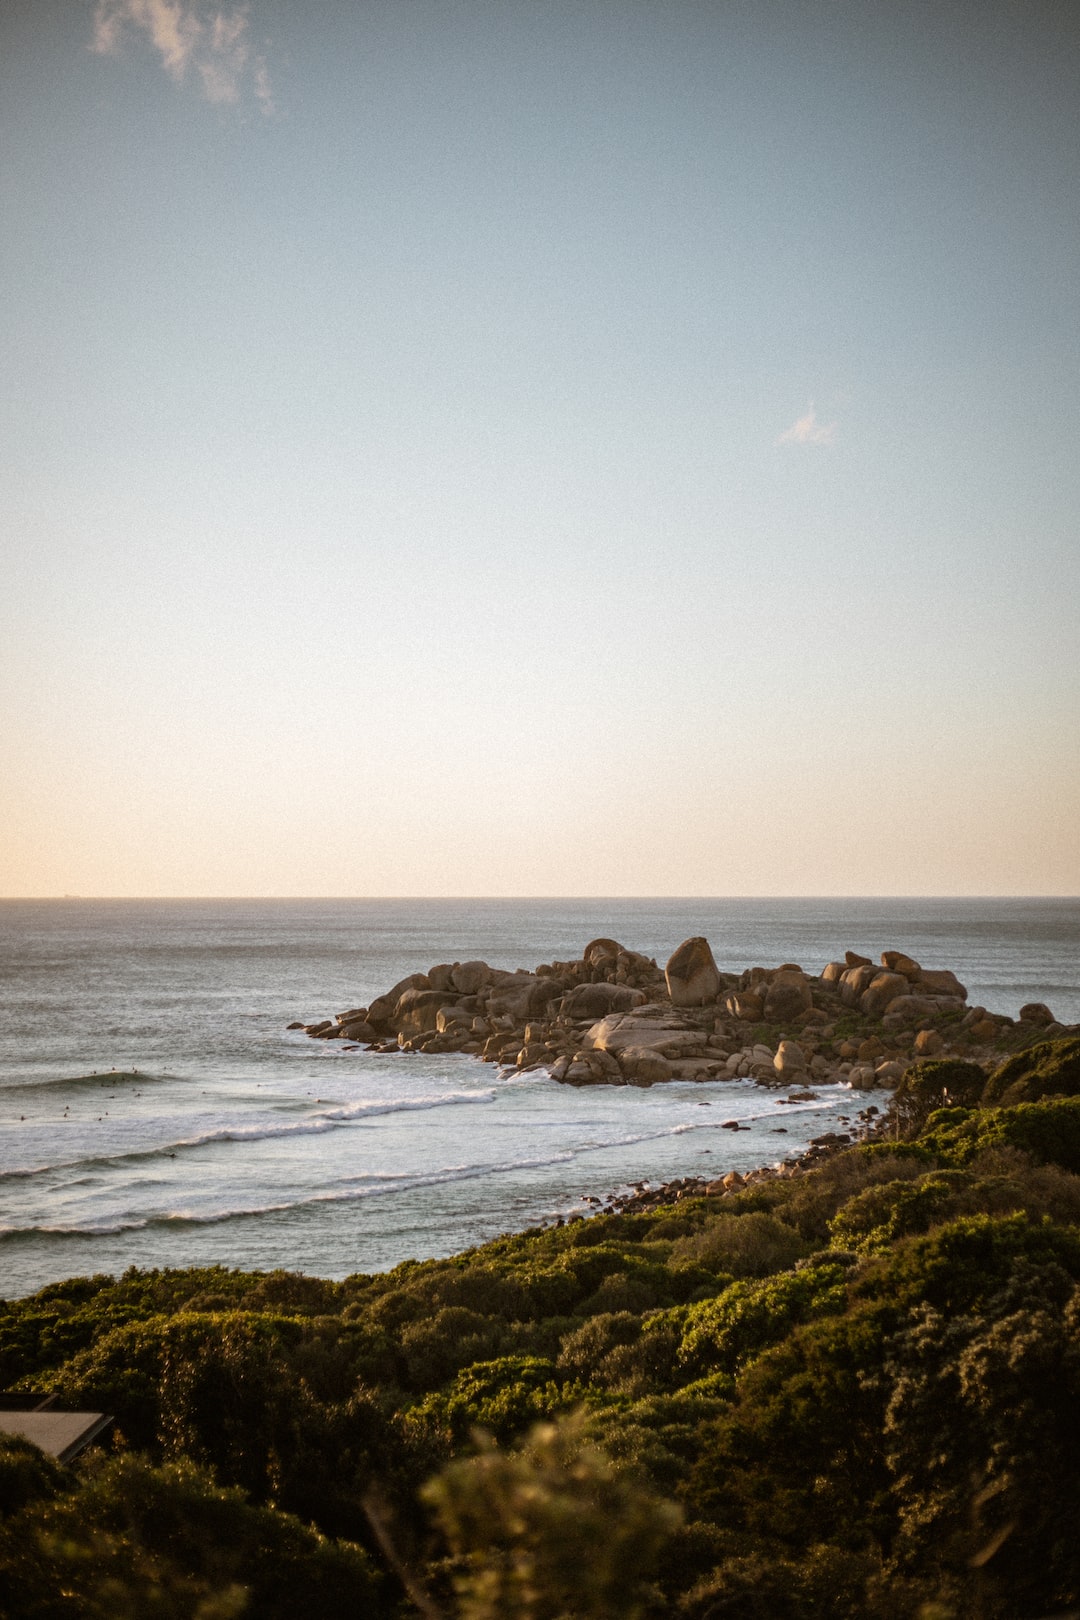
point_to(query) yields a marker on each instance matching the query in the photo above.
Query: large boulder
(469, 977)
(516, 995)
(621, 1030)
(790, 1059)
(644, 1066)
(883, 988)
(600, 958)
(897, 962)
(383, 1008)
(941, 982)
(597, 1000)
(693, 978)
(417, 1012)
(787, 996)
(854, 980)
(915, 1007)
(833, 972)
(1036, 1012)
(413, 981)
(357, 1029)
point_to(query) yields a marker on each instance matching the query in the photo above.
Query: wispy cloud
(190, 36)
(808, 430)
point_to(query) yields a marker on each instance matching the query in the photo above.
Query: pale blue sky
(395, 494)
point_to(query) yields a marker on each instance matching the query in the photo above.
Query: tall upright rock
(693, 978)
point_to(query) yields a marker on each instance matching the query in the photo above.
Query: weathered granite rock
(516, 995)
(601, 955)
(1036, 1012)
(928, 1043)
(983, 1030)
(744, 1004)
(417, 1012)
(442, 976)
(790, 1060)
(854, 980)
(644, 1066)
(450, 1017)
(853, 960)
(832, 972)
(469, 977)
(898, 962)
(883, 988)
(621, 1030)
(358, 1029)
(788, 996)
(941, 982)
(915, 1007)
(596, 1000)
(693, 978)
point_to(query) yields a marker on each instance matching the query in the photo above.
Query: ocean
(155, 1111)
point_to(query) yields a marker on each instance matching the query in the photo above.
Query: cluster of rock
(613, 1017)
(644, 1197)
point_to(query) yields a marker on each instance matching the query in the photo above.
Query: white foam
(326, 1120)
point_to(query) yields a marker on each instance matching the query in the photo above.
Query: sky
(539, 447)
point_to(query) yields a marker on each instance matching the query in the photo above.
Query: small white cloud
(189, 34)
(808, 430)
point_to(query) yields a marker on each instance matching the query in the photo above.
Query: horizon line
(600, 899)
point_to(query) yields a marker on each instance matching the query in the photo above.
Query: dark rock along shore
(614, 1017)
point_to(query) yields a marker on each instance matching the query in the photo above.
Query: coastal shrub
(875, 1218)
(724, 1333)
(824, 1580)
(810, 1202)
(436, 1348)
(998, 1180)
(1048, 1069)
(798, 1459)
(502, 1397)
(1049, 1131)
(934, 1083)
(39, 1334)
(658, 1436)
(551, 1530)
(982, 1439)
(26, 1475)
(584, 1352)
(622, 1352)
(127, 1540)
(745, 1245)
(971, 1260)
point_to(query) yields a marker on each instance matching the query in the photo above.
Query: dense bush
(130, 1540)
(855, 1392)
(1048, 1069)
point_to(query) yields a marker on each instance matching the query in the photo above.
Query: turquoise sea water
(154, 1110)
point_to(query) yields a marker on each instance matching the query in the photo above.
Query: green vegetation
(855, 1392)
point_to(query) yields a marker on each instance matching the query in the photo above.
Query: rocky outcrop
(611, 1017)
